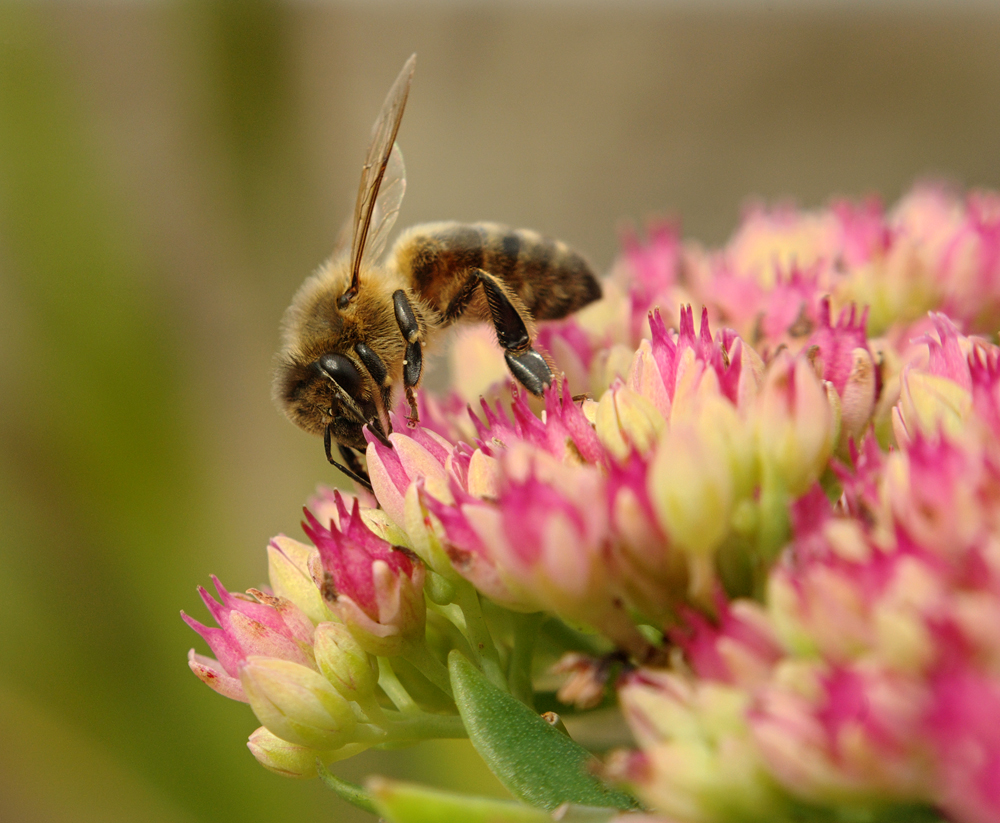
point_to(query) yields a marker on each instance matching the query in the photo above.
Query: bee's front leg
(383, 386)
(414, 362)
(526, 364)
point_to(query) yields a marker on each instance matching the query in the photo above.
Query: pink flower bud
(694, 364)
(739, 647)
(375, 588)
(940, 390)
(252, 624)
(565, 434)
(548, 534)
(929, 403)
(938, 491)
(653, 574)
(470, 555)
(697, 760)
(966, 743)
(843, 735)
(420, 456)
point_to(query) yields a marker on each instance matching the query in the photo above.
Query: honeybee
(358, 327)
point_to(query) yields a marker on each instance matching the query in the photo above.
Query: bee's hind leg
(414, 362)
(526, 364)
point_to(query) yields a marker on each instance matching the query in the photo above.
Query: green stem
(394, 690)
(351, 792)
(396, 727)
(428, 665)
(369, 735)
(519, 672)
(479, 636)
(427, 727)
(373, 711)
(772, 527)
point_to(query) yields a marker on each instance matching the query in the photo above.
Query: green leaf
(536, 763)
(408, 803)
(345, 790)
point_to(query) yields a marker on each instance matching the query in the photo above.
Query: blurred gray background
(170, 171)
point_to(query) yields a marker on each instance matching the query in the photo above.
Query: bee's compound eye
(342, 371)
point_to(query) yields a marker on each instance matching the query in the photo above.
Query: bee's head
(330, 392)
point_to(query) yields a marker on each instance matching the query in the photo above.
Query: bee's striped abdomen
(550, 278)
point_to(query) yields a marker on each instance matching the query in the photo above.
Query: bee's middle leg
(526, 364)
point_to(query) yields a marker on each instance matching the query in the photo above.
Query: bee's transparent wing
(377, 160)
(343, 243)
(386, 207)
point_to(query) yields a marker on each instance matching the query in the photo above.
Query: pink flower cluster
(868, 673)
(871, 671)
(797, 486)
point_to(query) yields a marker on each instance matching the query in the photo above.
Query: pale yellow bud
(296, 703)
(796, 425)
(344, 663)
(288, 571)
(699, 471)
(627, 422)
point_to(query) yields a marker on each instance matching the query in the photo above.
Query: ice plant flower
(375, 588)
(696, 761)
(881, 634)
(770, 536)
(252, 625)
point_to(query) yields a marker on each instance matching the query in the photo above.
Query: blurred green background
(169, 172)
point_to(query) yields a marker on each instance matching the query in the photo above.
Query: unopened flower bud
(288, 571)
(929, 403)
(344, 663)
(401, 611)
(252, 624)
(627, 421)
(292, 760)
(296, 703)
(795, 423)
(645, 378)
(280, 756)
(857, 403)
(699, 471)
(375, 588)
(698, 762)
(394, 470)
